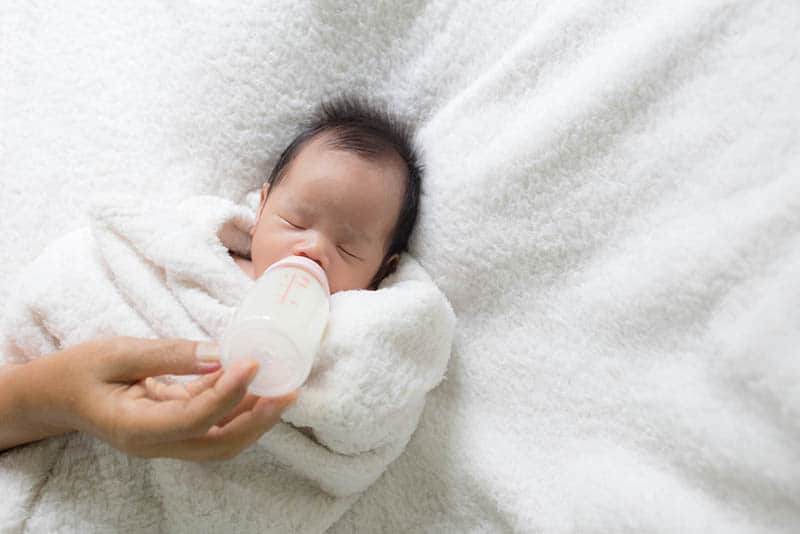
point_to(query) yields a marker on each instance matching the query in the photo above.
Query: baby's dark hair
(374, 133)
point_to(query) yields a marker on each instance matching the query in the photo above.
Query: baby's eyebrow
(301, 209)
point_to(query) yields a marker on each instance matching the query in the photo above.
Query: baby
(344, 193)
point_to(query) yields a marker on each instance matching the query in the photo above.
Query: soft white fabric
(611, 206)
(167, 272)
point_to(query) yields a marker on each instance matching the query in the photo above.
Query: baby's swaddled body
(169, 272)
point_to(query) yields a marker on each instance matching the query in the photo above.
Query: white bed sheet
(612, 205)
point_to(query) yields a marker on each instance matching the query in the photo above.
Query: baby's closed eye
(350, 254)
(295, 225)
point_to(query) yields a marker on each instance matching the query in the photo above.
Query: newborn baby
(344, 193)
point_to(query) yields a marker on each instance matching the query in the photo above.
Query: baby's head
(344, 193)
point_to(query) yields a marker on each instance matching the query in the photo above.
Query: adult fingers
(197, 386)
(158, 390)
(222, 443)
(131, 359)
(182, 419)
(246, 404)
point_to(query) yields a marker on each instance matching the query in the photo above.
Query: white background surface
(612, 206)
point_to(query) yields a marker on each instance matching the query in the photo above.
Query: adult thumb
(132, 359)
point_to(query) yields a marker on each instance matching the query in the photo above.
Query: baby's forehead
(322, 148)
(361, 146)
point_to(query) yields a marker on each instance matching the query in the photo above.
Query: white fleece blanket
(167, 272)
(612, 206)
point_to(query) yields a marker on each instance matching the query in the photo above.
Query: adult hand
(102, 387)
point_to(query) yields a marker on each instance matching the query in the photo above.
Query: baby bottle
(280, 323)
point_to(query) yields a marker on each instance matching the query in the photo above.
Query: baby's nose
(313, 257)
(315, 247)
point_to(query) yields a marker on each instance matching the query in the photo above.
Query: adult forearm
(28, 402)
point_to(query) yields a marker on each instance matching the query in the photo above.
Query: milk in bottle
(280, 323)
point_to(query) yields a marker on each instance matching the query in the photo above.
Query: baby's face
(334, 207)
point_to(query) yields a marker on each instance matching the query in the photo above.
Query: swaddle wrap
(167, 272)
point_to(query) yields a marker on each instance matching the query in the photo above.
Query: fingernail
(251, 373)
(283, 399)
(248, 367)
(206, 367)
(206, 351)
(206, 357)
(241, 369)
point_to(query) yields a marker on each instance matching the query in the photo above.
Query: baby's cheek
(262, 251)
(349, 277)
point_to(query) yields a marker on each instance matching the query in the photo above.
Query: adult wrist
(45, 400)
(24, 405)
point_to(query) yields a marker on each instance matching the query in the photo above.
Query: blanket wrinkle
(39, 490)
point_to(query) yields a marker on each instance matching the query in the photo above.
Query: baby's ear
(391, 264)
(386, 268)
(264, 191)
